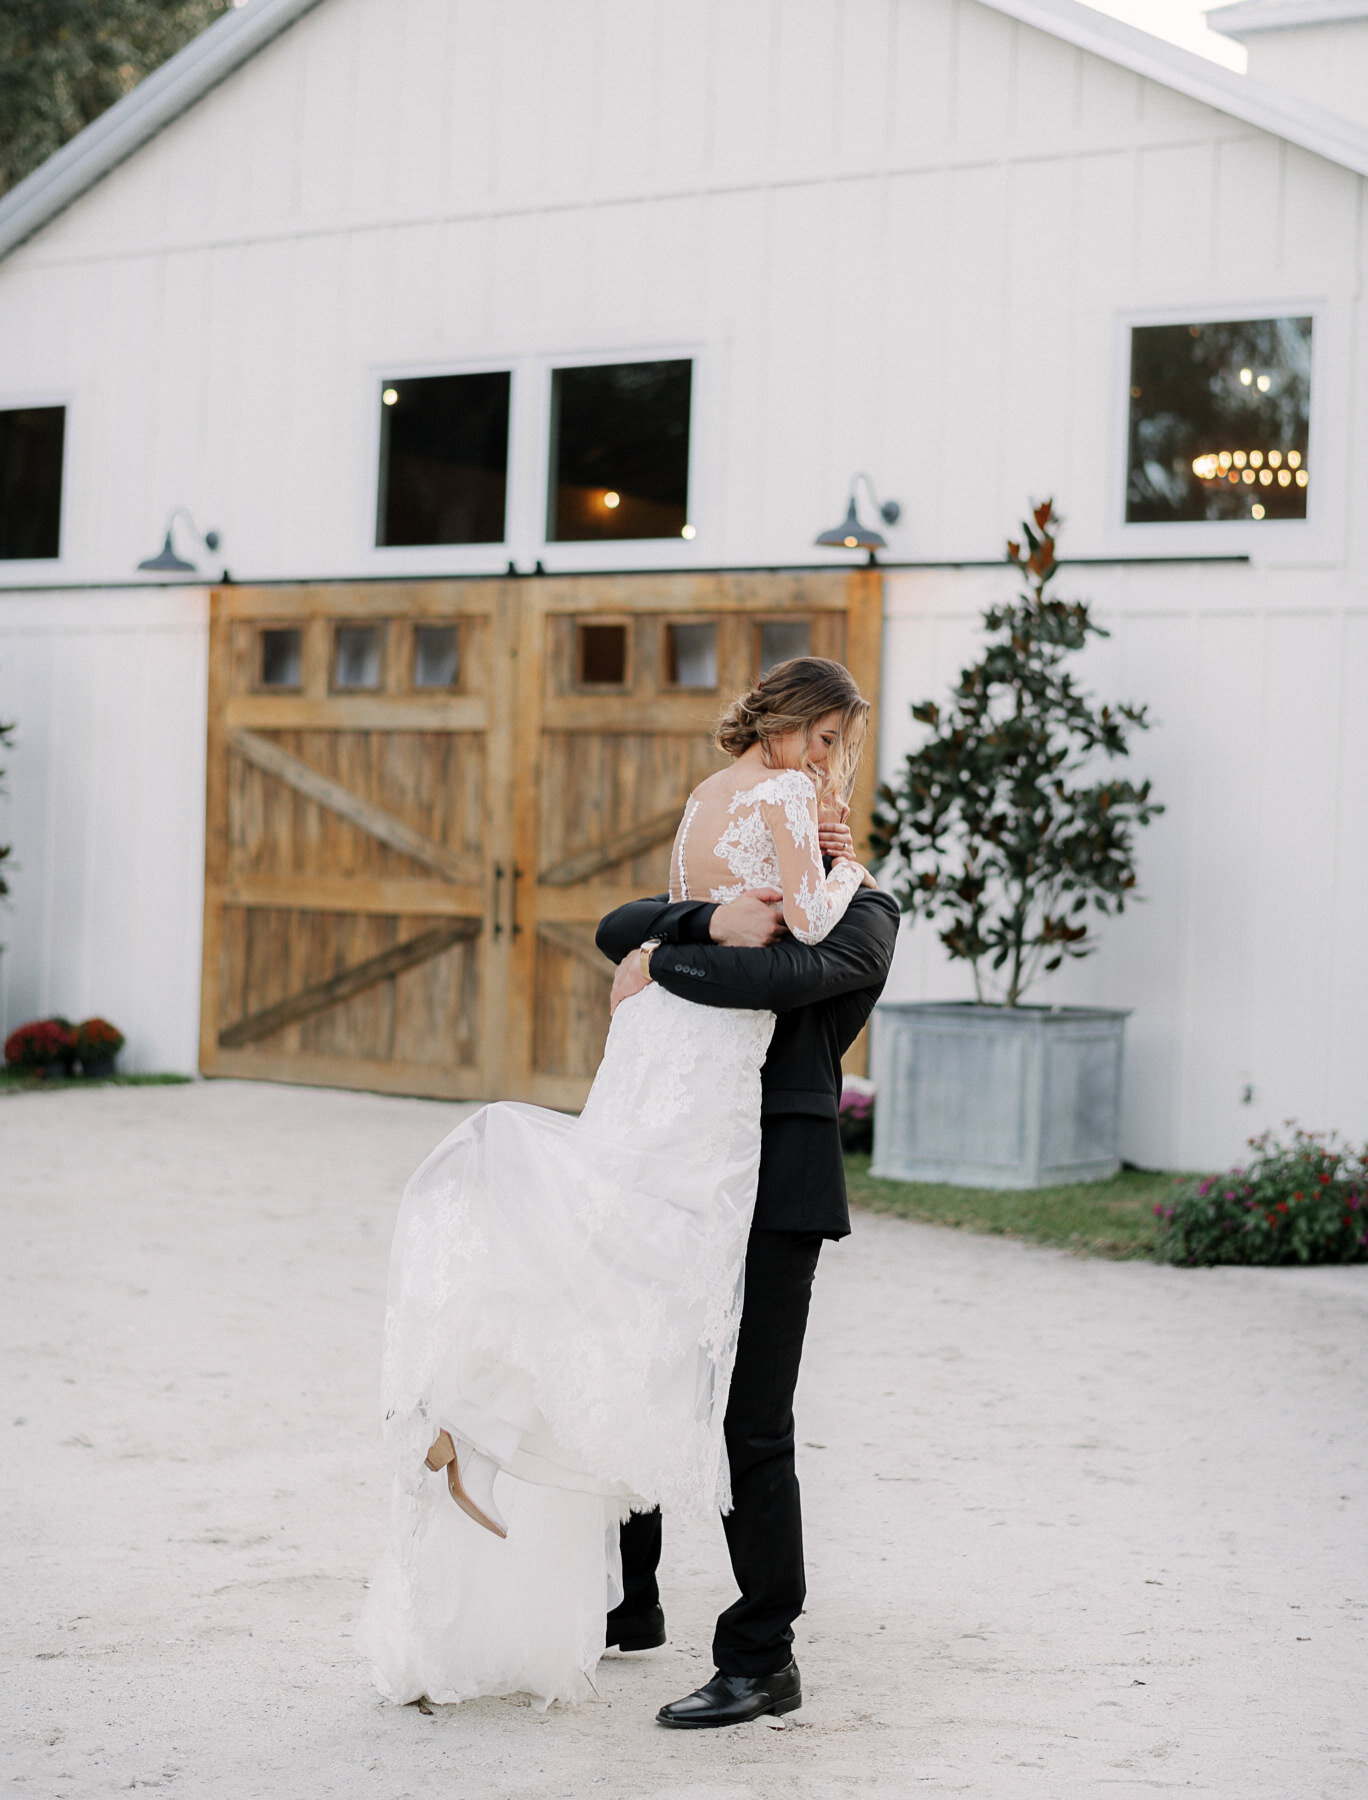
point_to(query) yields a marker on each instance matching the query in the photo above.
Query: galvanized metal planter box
(989, 1096)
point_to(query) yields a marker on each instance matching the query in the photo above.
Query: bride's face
(796, 751)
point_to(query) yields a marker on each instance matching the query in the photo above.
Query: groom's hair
(793, 696)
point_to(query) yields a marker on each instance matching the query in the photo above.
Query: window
(1219, 416)
(603, 655)
(357, 656)
(444, 459)
(782, 638)
(281, 657)
(31, 442)
(436, 656)
(620, 452)
(691, 656)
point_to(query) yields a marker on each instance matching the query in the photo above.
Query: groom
(740, 955)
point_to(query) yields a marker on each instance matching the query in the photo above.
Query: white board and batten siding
(106, 814)
(901, 235)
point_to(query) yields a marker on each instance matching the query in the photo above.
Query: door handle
(498, 894)
(514, 926)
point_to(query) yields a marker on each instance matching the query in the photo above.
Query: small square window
(436, 656)
(444, 459)
(31, 445)
(282, 655)
(691, 656)
(603, 655)
(357, 656)
(620, 451)
(781, 639)
(1219, 421)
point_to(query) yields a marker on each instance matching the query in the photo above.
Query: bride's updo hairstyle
(793, 696)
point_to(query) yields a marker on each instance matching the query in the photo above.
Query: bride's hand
(835, 840)
(627, 980)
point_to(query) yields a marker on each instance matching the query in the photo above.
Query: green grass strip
(25, 1081)
(1092, 1218)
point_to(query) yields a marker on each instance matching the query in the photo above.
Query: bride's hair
(793, 696)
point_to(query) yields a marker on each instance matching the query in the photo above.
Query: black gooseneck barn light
(851, 534)
(166, 561)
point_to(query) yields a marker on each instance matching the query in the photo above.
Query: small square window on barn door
(358, 658)
(280, 658)
(444, 459)
(436, 656)
(781, 639)
(601, 655)
(619, 451)
(691, 655)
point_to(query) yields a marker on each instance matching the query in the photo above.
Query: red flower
(1282, 1205)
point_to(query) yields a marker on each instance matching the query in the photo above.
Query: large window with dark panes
(444, 459)
(32, 439)
(620, 452)
(1219, 421)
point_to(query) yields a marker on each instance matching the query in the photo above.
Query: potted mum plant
(98, 1043)
(42, 1047)
(1006, 831)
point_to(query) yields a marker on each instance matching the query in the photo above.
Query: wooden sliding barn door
(423, 796)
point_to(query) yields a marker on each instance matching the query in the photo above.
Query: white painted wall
(900, 235)
(1324, 64)
(1247, 961)
(105, 811)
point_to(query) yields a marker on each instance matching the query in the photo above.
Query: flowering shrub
(1305, 1201)
(40, 1043)
(856, 1115)
(97, 1041)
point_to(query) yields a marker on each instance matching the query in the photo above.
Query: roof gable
(210, 58)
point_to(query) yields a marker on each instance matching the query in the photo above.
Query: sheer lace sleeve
(813, 901)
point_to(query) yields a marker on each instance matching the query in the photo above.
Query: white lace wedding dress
(565, 1295)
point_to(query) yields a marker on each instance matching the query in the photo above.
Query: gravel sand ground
(1075, 1528)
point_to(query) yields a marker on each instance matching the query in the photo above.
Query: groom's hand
(751, 921)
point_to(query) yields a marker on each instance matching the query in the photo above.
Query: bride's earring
(470, 1479)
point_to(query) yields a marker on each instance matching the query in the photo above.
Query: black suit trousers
(764, 1529)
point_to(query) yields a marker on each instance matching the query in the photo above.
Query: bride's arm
(813, 899)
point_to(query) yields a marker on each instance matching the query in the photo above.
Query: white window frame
(44, 571)
(529, 472)
(1279, 540)
(430, 559)
(626, 553)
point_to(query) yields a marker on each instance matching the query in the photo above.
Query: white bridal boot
(470, 1477)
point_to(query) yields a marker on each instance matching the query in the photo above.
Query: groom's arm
(673, 922)
(855, 955)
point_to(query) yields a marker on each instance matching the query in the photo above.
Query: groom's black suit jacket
(822, 993)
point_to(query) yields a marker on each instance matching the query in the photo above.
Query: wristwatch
(645, 954)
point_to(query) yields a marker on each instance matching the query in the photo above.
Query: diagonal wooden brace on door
(599, 858)
(365, 814)
(349, 982)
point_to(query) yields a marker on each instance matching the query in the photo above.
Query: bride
(565, 1293)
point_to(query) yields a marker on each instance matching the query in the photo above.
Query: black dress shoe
(644, 1632)
(732, 1699)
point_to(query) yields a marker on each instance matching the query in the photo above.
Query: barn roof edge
(127, 125)
(232, 40)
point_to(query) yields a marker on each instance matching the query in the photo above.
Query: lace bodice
(762, 836)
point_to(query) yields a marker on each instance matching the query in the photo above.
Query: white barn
(914, 237)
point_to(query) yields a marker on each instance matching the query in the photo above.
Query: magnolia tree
(999, 830)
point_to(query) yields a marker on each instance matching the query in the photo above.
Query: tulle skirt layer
(564, 1295)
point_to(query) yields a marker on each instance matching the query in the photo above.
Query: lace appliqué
(747, 844)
